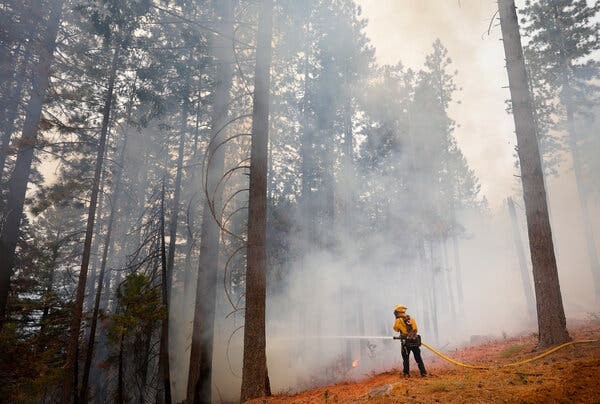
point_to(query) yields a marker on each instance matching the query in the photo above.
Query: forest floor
(570, 374)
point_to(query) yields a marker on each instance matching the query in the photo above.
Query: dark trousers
(417, 354)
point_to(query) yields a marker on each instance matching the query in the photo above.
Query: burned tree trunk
(67, 390)
(551, 315)
(200, 370)
(17, 186)
(255, 378)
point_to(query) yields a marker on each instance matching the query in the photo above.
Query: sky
(404, 30)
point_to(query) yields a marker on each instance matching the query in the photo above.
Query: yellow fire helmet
(400, 308)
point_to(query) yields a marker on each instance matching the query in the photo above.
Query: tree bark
(550, 311)
(201, 353)
(255, 379)
(67, 389)
(17, 186)
(164, 331)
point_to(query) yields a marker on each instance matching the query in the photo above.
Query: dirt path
(569, 375)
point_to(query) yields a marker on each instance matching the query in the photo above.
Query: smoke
(405, 31)
(348, 285)
(342, 280)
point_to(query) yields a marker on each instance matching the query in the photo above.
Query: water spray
(441, 355)
(338, 337)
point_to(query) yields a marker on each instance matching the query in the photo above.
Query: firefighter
(411, 341)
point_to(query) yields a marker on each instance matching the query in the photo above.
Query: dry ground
(569, 375)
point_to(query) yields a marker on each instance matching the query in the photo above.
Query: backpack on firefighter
(412, 340)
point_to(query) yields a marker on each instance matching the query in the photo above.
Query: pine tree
(201, 352)
(20, 176)
(550, 311)
(116, 27)
(562, 37)
(72, 348)
(255, 378)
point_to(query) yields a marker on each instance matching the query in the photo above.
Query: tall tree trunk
(164, 331)
(9, 114)
(120, 377)
(434, 269)
(146, 360)
(201, 353)
(6, 72)
(448, 278)
(567, 99)
(174, 217)
(49, 287)
(89, 294)
(306, 148)
(522, 261)
(76, 376)
(458, 275)
(550, 311)
(28, 14)
(100, 221)
(17, 186)
(177, 188)
(67, 389)
(105, 248)
(8, 58)
(346, 209)
(583, 200)
(456, 256)
(255, 378)
(192, 184)
(326, 193)
(307, 176)
(149, 335)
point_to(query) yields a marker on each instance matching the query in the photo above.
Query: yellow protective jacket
(400, 326)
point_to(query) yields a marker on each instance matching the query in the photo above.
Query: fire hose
(543, 354)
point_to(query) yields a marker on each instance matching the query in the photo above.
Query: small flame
(355, 363)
